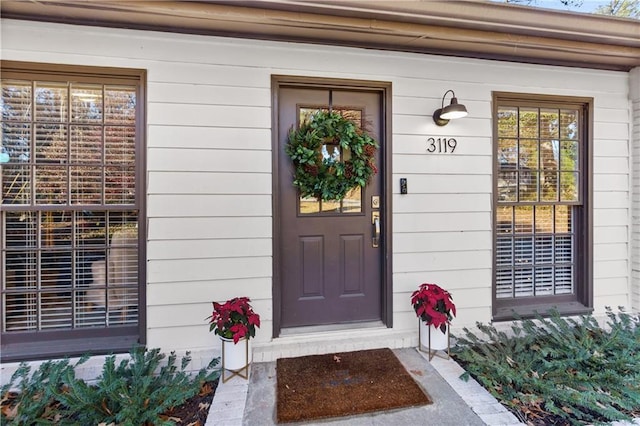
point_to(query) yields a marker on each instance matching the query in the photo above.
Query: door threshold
(314, 329)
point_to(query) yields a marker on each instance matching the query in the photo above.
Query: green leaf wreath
(324, 176)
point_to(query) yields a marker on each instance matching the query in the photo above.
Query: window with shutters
(542, 221)
(72, 219)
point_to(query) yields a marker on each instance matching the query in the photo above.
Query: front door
(330, 253)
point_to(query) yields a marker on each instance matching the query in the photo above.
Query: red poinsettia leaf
(450, 306)
(239, 331)
(254, 320)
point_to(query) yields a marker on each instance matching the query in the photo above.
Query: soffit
(460, 28)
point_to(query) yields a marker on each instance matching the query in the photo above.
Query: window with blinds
(540, 203)
(70, 222)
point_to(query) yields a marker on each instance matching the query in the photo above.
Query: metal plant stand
(436, 352)
(242, 372)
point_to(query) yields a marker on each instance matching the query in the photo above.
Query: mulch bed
(195, 410)
(343, 384)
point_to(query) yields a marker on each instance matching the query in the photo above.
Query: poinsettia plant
(433, 305)
(234, 319)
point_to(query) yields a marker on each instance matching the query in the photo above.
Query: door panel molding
(279, 82)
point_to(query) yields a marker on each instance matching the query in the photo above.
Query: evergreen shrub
(559, 370)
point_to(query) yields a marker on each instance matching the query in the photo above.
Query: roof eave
(462, 28)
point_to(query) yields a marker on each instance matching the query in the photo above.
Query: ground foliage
(147, 388)
(559, 371)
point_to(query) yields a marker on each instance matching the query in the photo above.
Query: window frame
(581, 301)
(25, 346)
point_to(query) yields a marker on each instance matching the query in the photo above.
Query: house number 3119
(441, 145)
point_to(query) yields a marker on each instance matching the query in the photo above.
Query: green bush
(135, 391)
(34, 399)
(563, 368)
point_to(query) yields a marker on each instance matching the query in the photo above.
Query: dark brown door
(331, 265)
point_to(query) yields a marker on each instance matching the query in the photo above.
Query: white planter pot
(433, 338)
(236, 356)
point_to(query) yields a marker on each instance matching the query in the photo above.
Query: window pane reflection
(331, 206)
(309, 205)
(352, 202)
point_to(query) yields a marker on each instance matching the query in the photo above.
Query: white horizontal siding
(612, 148)
(417, 242)
(611, 199)
(209, 115)
(612, 165)
(209, 205)
(604, 182)
(634, 95)
(605, 216)
(417, 145)
(452, 280)
(179, 136)
(182, 270)
(208, 248)
(439, 222)
(611, 251)
(611, 269)
(199, 160)
(190, 182)
(439, 261)
(209, 227)
(438, 203)
(441, 164)
(183, 293)
(612, 287)
(611, 234)
(208, 94)
(441, 184)
(209, 165)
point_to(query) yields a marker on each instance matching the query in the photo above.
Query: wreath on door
(331, 156)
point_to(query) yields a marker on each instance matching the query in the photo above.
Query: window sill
(511, 313)
(29, 351)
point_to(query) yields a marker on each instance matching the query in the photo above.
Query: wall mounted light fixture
(454, 110)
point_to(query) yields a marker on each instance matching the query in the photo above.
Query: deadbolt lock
(375, 201)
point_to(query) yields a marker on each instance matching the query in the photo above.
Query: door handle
(375, 220)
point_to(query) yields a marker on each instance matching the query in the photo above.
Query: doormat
(343, 384)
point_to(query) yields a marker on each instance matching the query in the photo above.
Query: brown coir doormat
(343, 384)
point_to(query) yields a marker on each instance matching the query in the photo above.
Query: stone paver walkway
(229, 403)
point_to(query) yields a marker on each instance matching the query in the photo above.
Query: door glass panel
(305, 113)
(352, 202)
(332, 206)
(331, 152)
(309, 205)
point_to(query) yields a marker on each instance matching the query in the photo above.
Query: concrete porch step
(323, 342)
